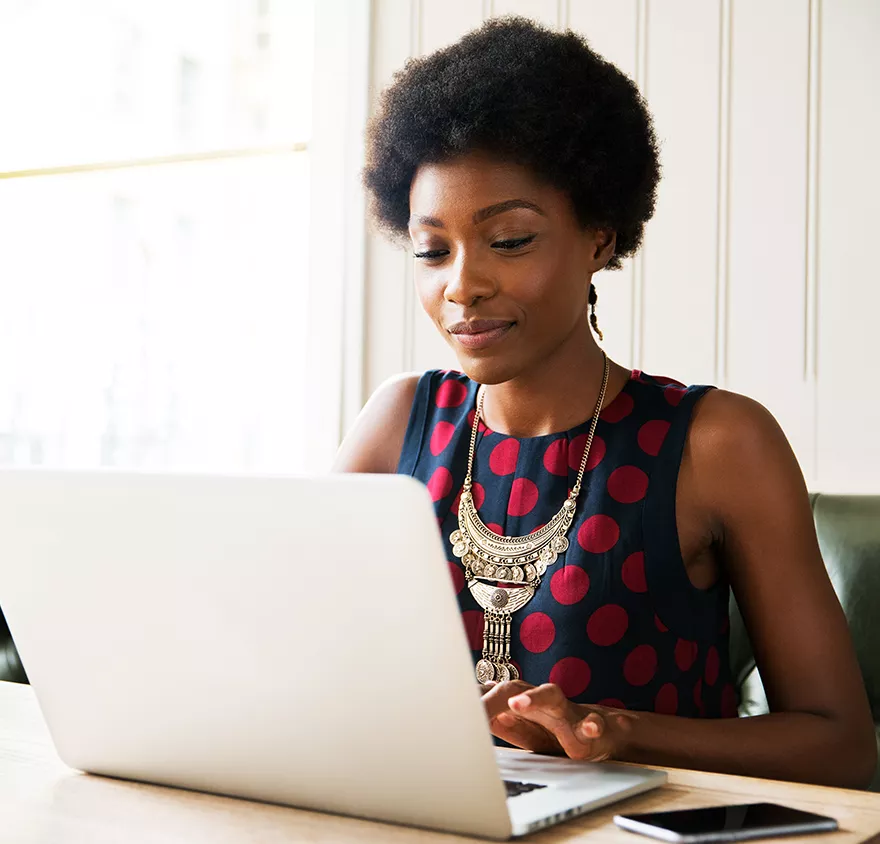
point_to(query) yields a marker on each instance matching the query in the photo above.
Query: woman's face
(502, 265)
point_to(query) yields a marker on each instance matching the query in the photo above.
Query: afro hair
(541, 99)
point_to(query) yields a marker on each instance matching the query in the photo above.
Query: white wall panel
(764, 321)
(613, 31)
(388, 302)
(445, 21)
(610, 29)
(683, 63)
(849, 221)
(546, 12)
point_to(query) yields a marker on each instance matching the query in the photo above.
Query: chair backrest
(848, 527)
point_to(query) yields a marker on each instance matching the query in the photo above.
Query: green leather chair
(849, 535)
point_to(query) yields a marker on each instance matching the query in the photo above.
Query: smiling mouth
(480, 334)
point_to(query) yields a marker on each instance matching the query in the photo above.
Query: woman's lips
(480, 334)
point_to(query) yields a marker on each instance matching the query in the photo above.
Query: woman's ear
(604, 244)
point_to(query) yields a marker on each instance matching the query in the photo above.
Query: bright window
(154, 232)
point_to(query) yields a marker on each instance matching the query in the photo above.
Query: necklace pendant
(485, 671)
(547, 556)
(502, 672)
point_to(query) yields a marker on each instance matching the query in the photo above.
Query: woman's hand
(544, 720)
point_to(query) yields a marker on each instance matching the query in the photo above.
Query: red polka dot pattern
(478, 491)
(576, 452)
(441, 437)
(728, 701)
(607, 625)
(651, 436)
(633, 573)
(713, 666)
(685, 654)
(457, 575)
(628, 484)
(440, 483)
(640, 666)
(473, 625)
(503, 459)
(537, 632)
(598, 534)
(587, 619)
(666, 701)
(569, 585)
(523, 497)
(572, 675)
(451, 394)
(674, 395)
(619, 409)
(556, 457)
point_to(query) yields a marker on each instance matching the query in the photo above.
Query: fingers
(591, 727)
(541, 718)
(548, 697)
(524, 734)
(496, 697)
(581, 733)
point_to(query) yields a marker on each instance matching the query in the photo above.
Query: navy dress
(615, 620)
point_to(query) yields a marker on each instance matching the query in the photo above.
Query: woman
(519, 163)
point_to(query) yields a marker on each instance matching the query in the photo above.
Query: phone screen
(726, 821)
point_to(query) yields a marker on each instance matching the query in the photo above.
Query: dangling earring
(594, 297)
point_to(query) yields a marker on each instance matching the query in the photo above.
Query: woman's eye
(514, 243)
(431, 254)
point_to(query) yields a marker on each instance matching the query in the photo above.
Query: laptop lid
(282, 639)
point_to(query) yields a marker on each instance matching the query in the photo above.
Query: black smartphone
(726, 823)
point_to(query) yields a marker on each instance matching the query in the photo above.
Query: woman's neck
(555, 395)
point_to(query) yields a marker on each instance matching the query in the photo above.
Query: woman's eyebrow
(421, 220)
(507, 205)
(483, 214)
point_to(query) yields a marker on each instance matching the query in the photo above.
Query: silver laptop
(289, 640)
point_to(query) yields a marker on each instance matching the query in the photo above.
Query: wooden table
(44, 802)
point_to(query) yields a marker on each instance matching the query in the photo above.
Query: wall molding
(811, 280)
(637, 333)
(722, 273)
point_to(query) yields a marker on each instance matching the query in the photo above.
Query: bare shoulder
(725, 423)
(741, 463)
(374, 443)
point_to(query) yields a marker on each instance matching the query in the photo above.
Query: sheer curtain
(155, 164)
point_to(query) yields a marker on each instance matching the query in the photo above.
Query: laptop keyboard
(515, 788)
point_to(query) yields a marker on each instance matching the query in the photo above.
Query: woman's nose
(467, 282)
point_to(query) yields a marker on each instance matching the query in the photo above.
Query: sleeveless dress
(615, 620)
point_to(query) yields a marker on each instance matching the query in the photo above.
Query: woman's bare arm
(820, 727)
(375, 441)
